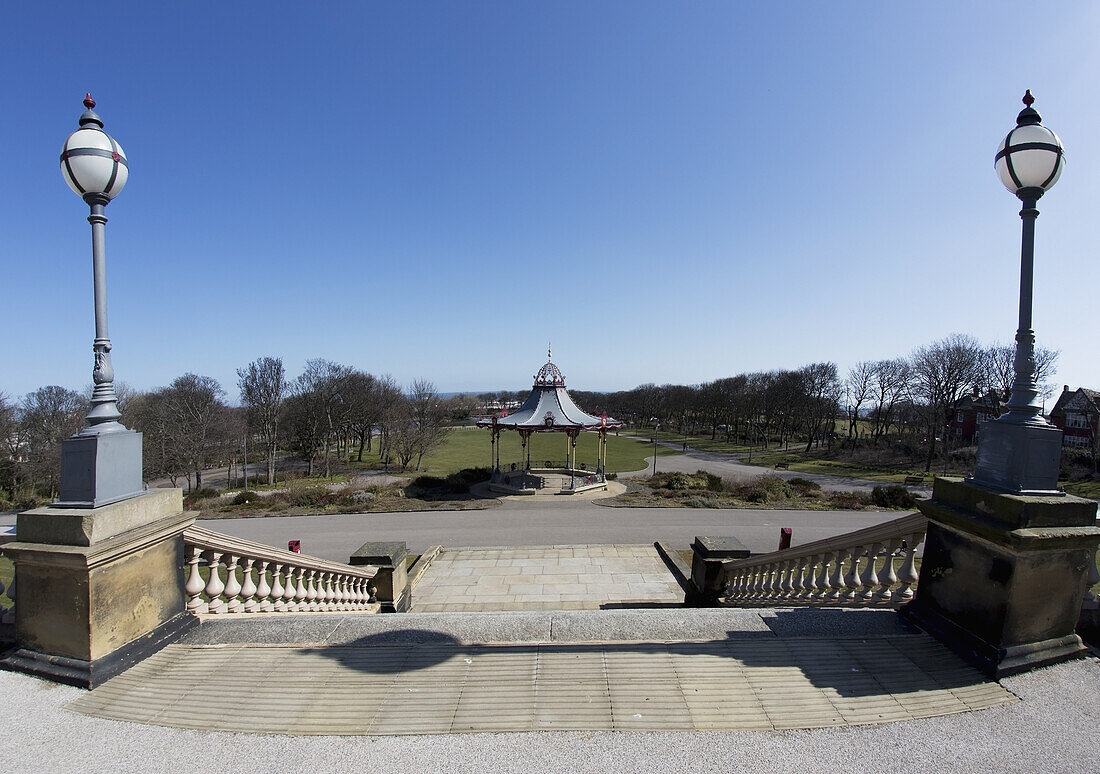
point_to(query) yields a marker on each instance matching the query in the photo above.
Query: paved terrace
(612, 691)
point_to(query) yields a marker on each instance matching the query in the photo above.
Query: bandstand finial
(548, 355)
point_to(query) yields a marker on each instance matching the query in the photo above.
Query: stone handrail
(829, 572)
(294, 582)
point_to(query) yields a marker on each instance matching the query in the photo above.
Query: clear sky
(667, 192)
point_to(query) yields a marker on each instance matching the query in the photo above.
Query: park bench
(782, 466)
(914, 480)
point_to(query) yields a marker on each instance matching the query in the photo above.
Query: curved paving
(425, 681)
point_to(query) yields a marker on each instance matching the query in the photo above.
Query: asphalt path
(732, 467)
(524, 522)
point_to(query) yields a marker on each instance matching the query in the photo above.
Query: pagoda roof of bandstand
(549, 408)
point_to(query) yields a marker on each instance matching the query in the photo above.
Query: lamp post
(1020, 451)
(656, 429)
(101, 463)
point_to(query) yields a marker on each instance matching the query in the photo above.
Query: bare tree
(427, 418)
(857, 390)
(998, 372)
(9, 446)
(47, 417)
(890, 384)
(821, 396)
(162, 456)
(324, 381)
(193, 408)
(263, 384)
(944, 371)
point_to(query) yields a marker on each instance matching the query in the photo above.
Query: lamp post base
(98, 470)
(1020, 459)
(1003, 576)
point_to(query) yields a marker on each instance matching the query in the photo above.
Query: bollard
(785, 538)
(294, 545)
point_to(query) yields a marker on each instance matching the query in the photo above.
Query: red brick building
(1077, 413)
(969, 411)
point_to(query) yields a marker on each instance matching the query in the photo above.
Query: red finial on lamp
(1028, 99)
(90, 103)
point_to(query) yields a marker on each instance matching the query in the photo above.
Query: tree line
(188, 426)
(334, 409)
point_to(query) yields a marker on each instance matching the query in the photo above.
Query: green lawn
(1090, 489)
(470, 448)
(6, 571)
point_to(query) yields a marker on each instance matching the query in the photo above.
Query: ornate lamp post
(1020, 451)
(101, 463)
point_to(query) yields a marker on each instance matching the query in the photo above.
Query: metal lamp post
(1020, 451)
(101, 463)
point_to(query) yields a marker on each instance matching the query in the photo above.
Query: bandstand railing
(247, 577)
(855, 569)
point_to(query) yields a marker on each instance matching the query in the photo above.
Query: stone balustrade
(246, 577)
(856, 569)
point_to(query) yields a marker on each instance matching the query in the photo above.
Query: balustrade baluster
(311, 592)
(329, 593)
(301, 595)
(822, 590)
(851, 580)
(886, 576)
(785, 584)
(870, 576)
(336, 580)
(232, 586)
(263, 591)
(195, 584)
(809, 580)
(214, 585)
(798, 583)
(278, 591)
(248, 588)
(774, 587)
(908, 574)
(836, 582)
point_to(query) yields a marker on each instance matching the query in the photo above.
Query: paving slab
(443, 687)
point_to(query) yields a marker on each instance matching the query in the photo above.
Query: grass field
(6, 571)
(470, 448)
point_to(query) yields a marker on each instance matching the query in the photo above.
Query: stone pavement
(715, 670)
(545, 578)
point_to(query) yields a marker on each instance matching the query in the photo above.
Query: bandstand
(548, 409)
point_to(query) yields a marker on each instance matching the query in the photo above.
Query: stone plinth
(708, 553)
(392, 581)
(1002, 576)
(97, 470)
(99, 589)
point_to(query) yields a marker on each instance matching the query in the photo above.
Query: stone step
(657, 625)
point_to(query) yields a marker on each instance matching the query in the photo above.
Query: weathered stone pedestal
(392, 581)
(1002, 576)
(708, 553)
(99, 589)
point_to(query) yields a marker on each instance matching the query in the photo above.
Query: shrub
(201, 494)
(678, 482)
(702, 501)
(612, 476)
(714, 483)
(804, 486)
(244, 498)
(854, 501)
(893, 496)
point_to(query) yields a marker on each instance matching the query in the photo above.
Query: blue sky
(668, 192)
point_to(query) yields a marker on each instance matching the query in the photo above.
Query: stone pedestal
(99, 589)
(97, 470)
(708, 554)
(1019, 459)
(392, 581)
(1002, 576)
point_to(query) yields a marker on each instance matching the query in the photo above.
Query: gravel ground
(1053, 729)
